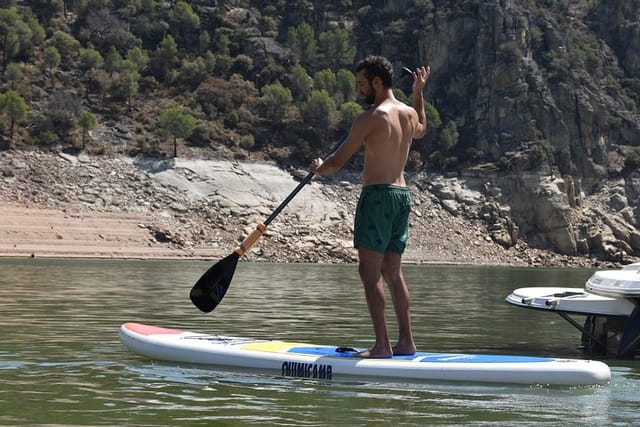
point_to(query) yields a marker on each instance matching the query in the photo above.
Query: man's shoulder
(395, 107)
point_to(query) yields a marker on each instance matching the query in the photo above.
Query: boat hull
(571, 301)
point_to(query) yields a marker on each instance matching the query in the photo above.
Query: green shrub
(247, 142)
(504, 164)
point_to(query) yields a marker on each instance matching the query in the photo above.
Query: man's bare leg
(370, 267)
(392, 273)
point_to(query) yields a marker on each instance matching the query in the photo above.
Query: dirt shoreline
(33, 232)
(29, 232)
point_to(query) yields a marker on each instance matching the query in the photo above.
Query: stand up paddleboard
(291, 359)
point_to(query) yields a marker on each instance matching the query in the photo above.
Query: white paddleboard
(299, 360)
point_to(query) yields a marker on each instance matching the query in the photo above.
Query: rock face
(617, 22)
(547, 93)
(555, 213)
(537, 75)
(203, 208)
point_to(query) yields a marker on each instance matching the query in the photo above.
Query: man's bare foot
(404, 349)
(374, 353)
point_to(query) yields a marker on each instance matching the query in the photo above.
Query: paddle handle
(251, 239)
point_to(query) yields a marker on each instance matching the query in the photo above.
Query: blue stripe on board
(428, 357)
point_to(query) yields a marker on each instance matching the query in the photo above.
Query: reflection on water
(60, 351)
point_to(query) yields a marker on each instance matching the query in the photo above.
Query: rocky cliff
(60, 204)
(546, 93)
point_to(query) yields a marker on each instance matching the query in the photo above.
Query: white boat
(571, 301)
(624, 283)
(609, 300)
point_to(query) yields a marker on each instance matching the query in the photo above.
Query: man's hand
(420, 77)
(315, 164)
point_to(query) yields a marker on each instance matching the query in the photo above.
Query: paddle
(209, 290)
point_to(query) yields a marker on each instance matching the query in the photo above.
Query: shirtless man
(381, 224)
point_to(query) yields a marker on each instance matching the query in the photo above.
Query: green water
(61, 362)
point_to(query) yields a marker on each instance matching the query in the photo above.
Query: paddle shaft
(262, 227)
(304, 182)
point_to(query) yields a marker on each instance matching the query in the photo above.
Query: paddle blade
(209, 290)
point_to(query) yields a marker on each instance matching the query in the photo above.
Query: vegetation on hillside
(199, 73)
(274, 78)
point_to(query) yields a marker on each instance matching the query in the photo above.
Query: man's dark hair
(377, 66)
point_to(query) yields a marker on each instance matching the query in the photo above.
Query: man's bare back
(386, 130)
(392, 127)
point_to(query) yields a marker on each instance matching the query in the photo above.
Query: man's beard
(370, 98)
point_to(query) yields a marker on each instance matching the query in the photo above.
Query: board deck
(301, 360)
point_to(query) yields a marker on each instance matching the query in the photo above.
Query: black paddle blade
(209, 290)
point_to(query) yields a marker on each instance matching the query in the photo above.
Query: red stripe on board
(150, 330)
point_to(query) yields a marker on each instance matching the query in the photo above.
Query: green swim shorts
(382, 218)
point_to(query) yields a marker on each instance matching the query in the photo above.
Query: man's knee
(368, 274)
(391, 267)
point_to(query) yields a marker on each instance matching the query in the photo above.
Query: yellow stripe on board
(271, 346)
